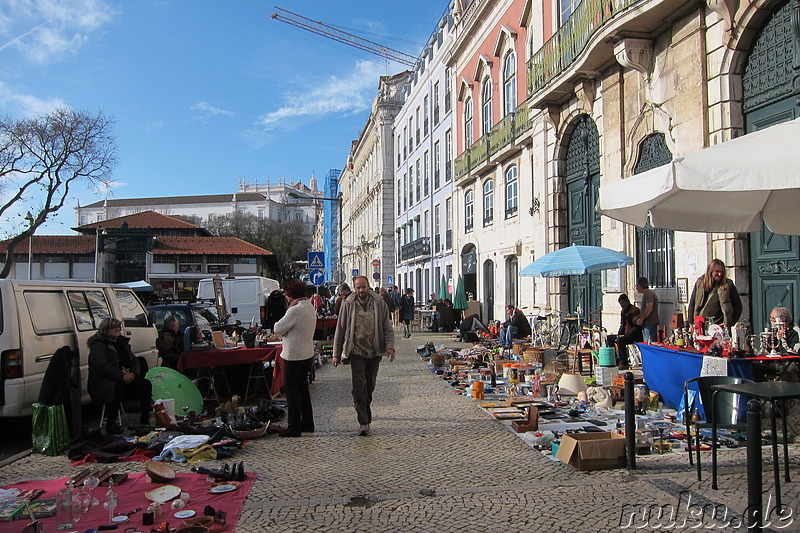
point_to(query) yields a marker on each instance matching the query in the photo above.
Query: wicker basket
(251, 434)
(533, 355)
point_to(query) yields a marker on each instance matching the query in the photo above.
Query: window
(405, 143)
(654, 257)
(426, 171)
(133, 314)
(48, 312)
(469, 211)
(405, 188)
(399, 194)
(410, 135)
(448, 155)
(435, 103)
(436, 164)
(425, 111)
(486, 105)
(89, 308)
(510, 82)
(468, 122)
(437, 229)
(566, 8)
(426, 227)
(410, 185)
(419, 179)
(260, 212)
(512, 191)
(399, 151)
(448, 220)
(417, 115)
(447, 76)
(488, 202)
(241, 260)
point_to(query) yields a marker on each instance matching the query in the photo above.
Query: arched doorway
(488, 289)
(770, 88)
(583, 224)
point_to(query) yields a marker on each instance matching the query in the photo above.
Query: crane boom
(323, 29)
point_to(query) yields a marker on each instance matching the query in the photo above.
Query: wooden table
(208, 360)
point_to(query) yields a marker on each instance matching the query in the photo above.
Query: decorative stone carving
(586, 91)
(636, 54)
(725, 9)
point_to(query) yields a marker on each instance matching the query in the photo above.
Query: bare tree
(41, 158)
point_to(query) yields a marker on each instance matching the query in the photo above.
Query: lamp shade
(571, 384)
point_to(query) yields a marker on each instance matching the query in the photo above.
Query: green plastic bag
(51, 435)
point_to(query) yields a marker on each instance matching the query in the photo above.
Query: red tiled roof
(206, 245)
(145, 219)
(55, 244)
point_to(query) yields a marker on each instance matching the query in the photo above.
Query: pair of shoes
(114, 429)
(363, 431)
(307, 429)
(290, 433)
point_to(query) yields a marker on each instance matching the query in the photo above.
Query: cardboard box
(592, 451)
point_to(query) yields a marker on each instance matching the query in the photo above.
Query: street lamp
(29, 218)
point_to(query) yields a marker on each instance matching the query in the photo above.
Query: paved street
(436, 461)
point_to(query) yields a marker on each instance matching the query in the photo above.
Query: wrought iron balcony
(511, 127)
(414, 249)
(559, 52)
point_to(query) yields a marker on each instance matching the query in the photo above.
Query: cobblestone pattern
(436, 461)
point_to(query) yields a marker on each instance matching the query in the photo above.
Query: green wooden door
(771, 85)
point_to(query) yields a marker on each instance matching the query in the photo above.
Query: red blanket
(131, 495)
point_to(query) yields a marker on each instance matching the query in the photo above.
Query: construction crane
(323, 29)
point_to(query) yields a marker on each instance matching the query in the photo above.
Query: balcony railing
(559, 52)
(420, 247)
(505, 132)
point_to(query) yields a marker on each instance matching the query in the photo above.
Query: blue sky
(204, 92)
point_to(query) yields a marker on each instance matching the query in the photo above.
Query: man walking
(364, 332)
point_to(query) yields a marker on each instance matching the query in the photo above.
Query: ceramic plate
(188, 513)
(229, 348)
(219, 488)
(120, 519)
(163, 493)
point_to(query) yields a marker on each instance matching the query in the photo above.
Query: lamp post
(29, 218)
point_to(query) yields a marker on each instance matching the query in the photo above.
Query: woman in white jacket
(297, 329)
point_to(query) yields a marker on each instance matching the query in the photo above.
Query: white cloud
(26, 104)
(207, 110)
(44, 30)
(344, 96)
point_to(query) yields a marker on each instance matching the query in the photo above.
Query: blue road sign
(316, 260)
(390, 280)
(355, 272)
(317, 277)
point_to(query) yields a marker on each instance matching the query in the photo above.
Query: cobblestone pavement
(436, 461)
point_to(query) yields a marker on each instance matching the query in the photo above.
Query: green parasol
(168, 383)
(460, 297)
(443, 294)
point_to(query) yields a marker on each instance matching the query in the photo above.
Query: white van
(245, 296)
(39, 317)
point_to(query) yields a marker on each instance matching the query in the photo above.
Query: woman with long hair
(715, 297)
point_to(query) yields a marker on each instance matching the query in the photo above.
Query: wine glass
(185, 414)
(90, 483)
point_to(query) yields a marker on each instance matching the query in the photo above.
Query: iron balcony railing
(414, 249)
(511, 127)
(561, 50)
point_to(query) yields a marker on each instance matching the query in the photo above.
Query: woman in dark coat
(407, 312)
(114, 372)
(168, 344)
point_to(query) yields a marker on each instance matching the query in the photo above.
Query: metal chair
(724, 407)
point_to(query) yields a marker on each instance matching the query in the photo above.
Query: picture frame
(611, 280)
(683, 290)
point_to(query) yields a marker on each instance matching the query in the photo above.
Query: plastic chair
(725, 408)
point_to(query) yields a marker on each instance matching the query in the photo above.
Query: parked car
(200, 315)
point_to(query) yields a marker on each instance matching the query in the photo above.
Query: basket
(533, 355)
(437, 360)
(252, 433)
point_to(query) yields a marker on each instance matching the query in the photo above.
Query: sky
(203, 93)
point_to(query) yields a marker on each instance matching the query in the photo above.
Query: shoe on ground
(289, 433)
(307, 429)
(363, 431)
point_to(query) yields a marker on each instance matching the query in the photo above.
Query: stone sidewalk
(435, 461)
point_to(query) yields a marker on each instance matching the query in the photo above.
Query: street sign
(376, 275)
(390, 280)
(316, 259)
(355, 272)
(376, 262)
(317, 277)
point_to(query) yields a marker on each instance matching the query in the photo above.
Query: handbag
(50, 433)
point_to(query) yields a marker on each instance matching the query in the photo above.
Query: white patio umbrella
(729, 187)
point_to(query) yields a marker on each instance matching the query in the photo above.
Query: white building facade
(423, 140)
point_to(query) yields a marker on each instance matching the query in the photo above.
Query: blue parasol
(576, 260)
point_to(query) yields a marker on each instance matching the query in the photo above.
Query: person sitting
(629, 332)
(468, 327)
(114, 373)
(787, 332)
(516, 326)
(168, 343)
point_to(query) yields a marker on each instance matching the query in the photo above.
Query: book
(10, 506)
(40, 509)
